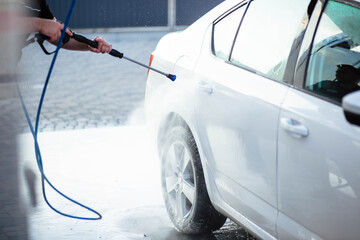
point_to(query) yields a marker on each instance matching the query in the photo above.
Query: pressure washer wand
(120, 55)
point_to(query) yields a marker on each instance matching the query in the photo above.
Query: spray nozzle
(171, 77)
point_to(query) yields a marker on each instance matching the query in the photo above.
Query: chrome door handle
(205, 87)
(294, 128)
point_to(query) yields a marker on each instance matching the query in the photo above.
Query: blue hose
(35, 132)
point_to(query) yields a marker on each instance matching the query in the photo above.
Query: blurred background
(115, 14)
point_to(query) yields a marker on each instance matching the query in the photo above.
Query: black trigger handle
(40, 38)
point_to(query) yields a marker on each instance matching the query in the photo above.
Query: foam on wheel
(186, 198)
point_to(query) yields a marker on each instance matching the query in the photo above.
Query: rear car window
(334, 64)
(266, 35)
(224, 32)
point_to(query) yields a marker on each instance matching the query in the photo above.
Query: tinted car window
(225, 31)
(266, 35)
(334, 63)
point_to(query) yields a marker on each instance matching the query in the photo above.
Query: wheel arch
(170, 120)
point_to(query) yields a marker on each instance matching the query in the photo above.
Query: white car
(262, 123)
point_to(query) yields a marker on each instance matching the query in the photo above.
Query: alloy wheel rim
(180, 180)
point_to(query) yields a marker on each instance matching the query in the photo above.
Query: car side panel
(319, 175)
(237, 128)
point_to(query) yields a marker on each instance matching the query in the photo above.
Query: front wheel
(186, 198)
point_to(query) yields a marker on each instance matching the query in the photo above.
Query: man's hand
(103, 46)
(52, 29)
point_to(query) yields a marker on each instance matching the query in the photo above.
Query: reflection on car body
(254, 129)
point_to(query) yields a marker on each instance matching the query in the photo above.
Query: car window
(225, 31)
(266, 35)
(334, 64)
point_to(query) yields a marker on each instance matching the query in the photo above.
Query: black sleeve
(45, 10)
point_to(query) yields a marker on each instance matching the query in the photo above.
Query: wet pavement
(95, 146)
(104, 169)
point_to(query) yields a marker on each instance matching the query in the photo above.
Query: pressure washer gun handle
(40, 38)
(94, 44)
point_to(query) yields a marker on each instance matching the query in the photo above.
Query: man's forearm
(12, 23)
(75, 45)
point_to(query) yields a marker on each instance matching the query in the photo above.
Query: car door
(238, 100)
(318, 150)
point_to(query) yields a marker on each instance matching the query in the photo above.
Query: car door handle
(205, 87)
(294, 128)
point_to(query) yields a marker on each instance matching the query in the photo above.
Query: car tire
(183, 184)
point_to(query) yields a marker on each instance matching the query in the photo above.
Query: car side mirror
(351, 107)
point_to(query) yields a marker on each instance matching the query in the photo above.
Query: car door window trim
(296, 46)
(238, 29)
(300, 73)
(223, 16)
(231, 10)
